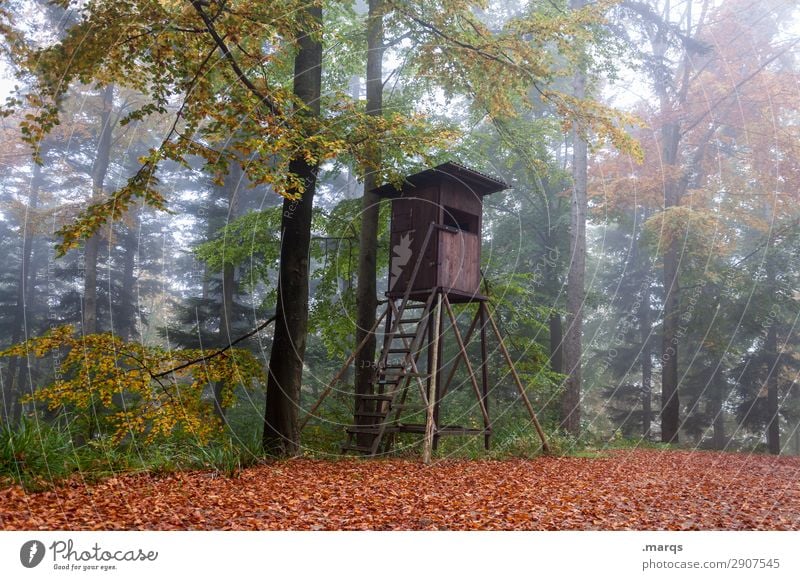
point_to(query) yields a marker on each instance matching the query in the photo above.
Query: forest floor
(631, 490)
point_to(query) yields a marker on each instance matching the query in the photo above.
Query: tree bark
(281, 435)
(773, 364)
(12, 408)
(228, 286)
(573, 349)
(129, 308)
(556, 340)
(718, 437)
(647, 361)
(670, 405)
(773, 423)
(366, 293)
(92, 246)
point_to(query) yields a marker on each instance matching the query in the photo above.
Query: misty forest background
(656, 140)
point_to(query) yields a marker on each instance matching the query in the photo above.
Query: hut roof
(478, 183)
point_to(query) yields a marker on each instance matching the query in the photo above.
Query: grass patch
(39, 456)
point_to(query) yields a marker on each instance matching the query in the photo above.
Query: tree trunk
(12, 408)
(129, 308)
(92, 246)
(718, 438)
(24, 377)
(366, 293)
(797, 440)
(670, 405)
(228, 285)
(555, 323)
(90, 252)
(556, 340)
(773, 370)
(773, 356)
(281, 437)
(647, 361)
(571, 399)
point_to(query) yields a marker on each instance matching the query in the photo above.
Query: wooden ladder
(396, 368)
(393, 375)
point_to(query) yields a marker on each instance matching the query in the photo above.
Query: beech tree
(281, 436)
(366, 296)
(573, 337)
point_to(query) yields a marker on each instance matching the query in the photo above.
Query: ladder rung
(398, 350)
(394, 379)
(372, 397)
(363, 430)
(410, 320)
(405, 335)
(370, 414)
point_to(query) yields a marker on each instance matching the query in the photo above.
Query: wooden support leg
(430, 426)
(520, 387)
(485, 375)
(439, 392)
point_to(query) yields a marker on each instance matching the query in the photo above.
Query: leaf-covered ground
(641, 490)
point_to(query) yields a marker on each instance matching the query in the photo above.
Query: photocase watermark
(67, 556)
(391, 363)
(31, 553)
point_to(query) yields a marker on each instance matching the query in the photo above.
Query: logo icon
(31, 553)
(402, 254)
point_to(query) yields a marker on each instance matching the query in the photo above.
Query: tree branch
(217, 352)
(265, 99)
(739, 85)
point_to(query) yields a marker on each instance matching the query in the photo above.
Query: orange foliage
(638, 490)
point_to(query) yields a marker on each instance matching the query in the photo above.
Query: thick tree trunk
(366, 293)
(573, 349)
(281, 436)
(92, 246)
(670, 405)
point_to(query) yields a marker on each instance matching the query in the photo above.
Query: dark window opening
(459, 219)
